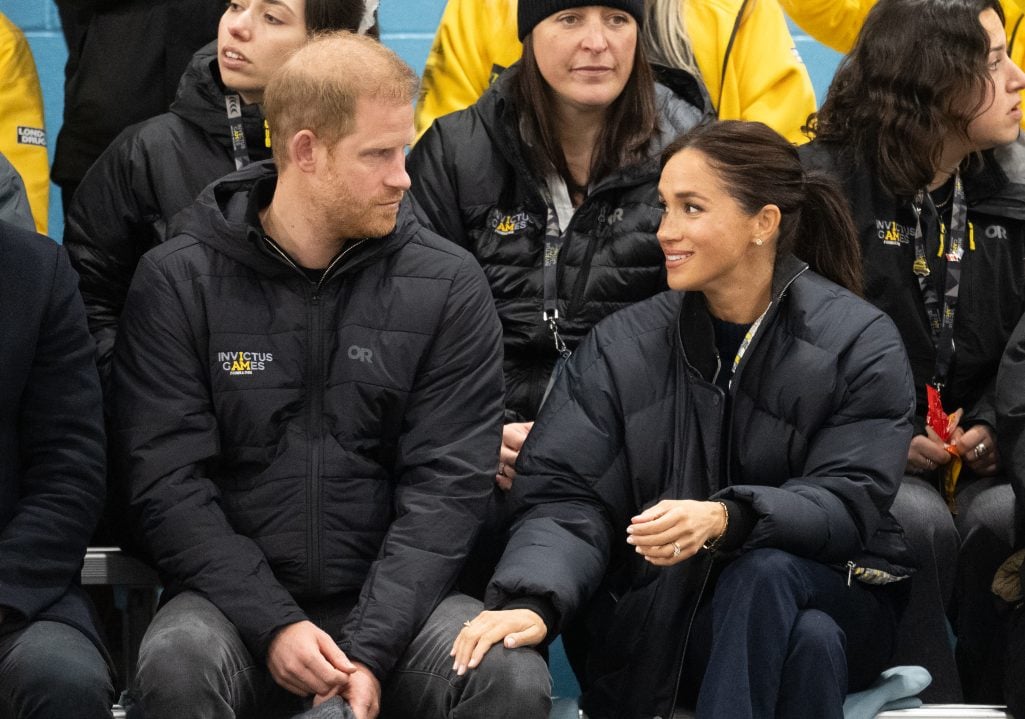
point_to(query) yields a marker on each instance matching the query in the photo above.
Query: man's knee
(44, 683)
(189, 645)
(516, 678)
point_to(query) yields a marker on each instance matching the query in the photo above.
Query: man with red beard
(308, 407)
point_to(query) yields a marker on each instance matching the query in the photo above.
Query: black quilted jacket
(474, 187)
(300, 449)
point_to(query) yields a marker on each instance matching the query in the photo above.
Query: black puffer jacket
(992, 293)
(294, 447)
(474, 186)
(815, 444)
(149, 173)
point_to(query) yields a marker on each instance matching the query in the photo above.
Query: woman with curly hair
(918, 125)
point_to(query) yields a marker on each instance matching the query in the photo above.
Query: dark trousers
(786, 638)
(193, 664)
(957, 556)
(989, 526)
(50, 670)
(923, 636)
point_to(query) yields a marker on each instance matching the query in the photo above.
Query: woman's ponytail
(825, 236)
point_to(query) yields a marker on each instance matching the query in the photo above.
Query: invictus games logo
(894, 233)
(510, 224)
(244, 363)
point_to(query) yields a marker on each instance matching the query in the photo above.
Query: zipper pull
(850, 572)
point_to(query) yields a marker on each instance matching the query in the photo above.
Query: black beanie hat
(531, 12)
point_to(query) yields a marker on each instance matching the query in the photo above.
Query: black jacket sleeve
(61, 450)
(572, 488)
(1010, 410)
(853, 464)
(446, 463)
(108, 228)
(166, 445)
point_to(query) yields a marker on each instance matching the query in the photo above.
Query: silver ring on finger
(677, 549)
(501, 469)
(980, 450)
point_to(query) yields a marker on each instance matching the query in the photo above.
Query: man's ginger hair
(319, 86)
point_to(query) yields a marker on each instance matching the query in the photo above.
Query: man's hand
(304, 660)
(514, 435)
(363, 692)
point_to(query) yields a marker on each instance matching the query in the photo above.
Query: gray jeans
(193, 663)
(50, 670)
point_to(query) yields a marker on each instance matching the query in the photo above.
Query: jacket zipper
(316, 437)
(315, 423)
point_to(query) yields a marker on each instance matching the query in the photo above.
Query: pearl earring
(759, 241)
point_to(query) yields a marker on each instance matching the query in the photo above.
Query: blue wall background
(408, 27)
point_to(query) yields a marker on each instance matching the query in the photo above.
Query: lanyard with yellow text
(239, 148)
(942, 313)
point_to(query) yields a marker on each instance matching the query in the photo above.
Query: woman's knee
(760, 568)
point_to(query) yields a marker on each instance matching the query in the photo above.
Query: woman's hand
(977, 446)
(513, 627)
(675, 529)
(514, 435)
(926, 453)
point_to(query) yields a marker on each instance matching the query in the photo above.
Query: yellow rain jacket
(765, 78)
(22, 132)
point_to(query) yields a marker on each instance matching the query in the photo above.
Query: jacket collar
(200, 100)
(695, 333)
(225, 218)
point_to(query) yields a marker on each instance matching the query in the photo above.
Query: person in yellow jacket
(764, 77)
(836, 23)
(22, 132)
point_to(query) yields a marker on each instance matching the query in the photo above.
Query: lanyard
(746, 342)
(941, 313)
(554, 239)
(239, 149)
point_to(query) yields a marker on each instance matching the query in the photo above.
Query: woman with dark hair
(549, 180)
(710, 477)
(916, 127)
(153, 169)
(741, 50)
